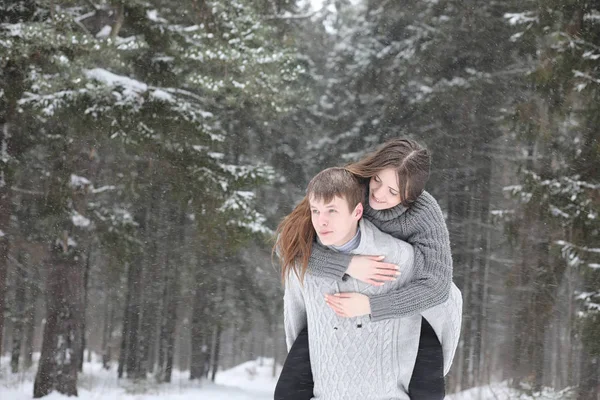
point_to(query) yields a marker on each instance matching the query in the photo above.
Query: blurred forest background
(149, 149)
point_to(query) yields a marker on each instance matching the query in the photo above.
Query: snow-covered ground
(251, 380)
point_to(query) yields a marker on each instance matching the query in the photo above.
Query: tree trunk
(86, 278)
(133, 317)
(61, 345)
(162, 336)
(170, 327)
(29, 330)
(123, 353)
(483, 177)
(107, 334)
(19, 317)
(276, 342)
(467, 328)
(5, 210)
(199, 337)
(147, 322)
(151, 287)
(169, 320)
(589, 387)
(4, 244)
(217, 350)
(14, 75)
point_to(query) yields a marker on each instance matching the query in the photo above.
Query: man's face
(334, 222)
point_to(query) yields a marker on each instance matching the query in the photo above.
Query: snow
(80, 220)
(520, 18)
(104, 32)
(152, 15)
(162, 95)
(251, 380)
(593, 15)
(103, 188)
(79, 182)
(13, 29)
(131, 87)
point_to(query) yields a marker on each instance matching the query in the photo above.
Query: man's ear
(358, 211)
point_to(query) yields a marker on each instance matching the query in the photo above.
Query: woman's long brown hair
(294, 238)
(409, 159)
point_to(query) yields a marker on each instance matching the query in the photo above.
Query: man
(351, 358)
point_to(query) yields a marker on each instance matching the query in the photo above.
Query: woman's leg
(295, 381)
(427, 381)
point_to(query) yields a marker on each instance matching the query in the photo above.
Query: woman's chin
(375, 205)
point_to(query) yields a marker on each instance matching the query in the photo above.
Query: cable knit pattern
(355, 358)
(423, 226)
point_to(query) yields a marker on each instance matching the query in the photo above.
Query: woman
(397, 204)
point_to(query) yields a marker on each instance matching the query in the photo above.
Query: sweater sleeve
(294, 309)
(432, 270)
(327, 263)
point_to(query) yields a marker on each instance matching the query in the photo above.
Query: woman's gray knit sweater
(423, 226)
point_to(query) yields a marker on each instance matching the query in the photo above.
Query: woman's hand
(372, 270)
(349, 305)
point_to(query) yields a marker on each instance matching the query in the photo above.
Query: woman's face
(383, 190)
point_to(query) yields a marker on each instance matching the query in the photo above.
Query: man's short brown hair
(336, 182)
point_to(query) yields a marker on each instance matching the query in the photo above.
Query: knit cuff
(328, 264)
(381, 308)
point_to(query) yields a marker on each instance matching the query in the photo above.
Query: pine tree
(163, 90)
(558, 192)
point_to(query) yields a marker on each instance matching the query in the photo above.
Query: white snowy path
(248, 381)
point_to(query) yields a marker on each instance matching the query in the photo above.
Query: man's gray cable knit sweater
(423, 226)
(356, 358)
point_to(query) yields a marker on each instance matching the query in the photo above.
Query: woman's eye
(377, 179)
(332, 211)
(315, 212)
(393, 193)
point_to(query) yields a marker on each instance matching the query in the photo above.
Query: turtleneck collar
(384, 215)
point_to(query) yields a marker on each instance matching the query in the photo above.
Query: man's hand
(349, 305)
(372, 270)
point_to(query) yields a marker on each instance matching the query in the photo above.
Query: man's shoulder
(372, 237)
(367, 228)
(376, 242)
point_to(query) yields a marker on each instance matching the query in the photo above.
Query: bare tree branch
(92, 4)
(289, 16)
(82, 27)
(119, 22)
(26, 191)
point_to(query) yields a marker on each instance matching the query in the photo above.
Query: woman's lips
(376, 200)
